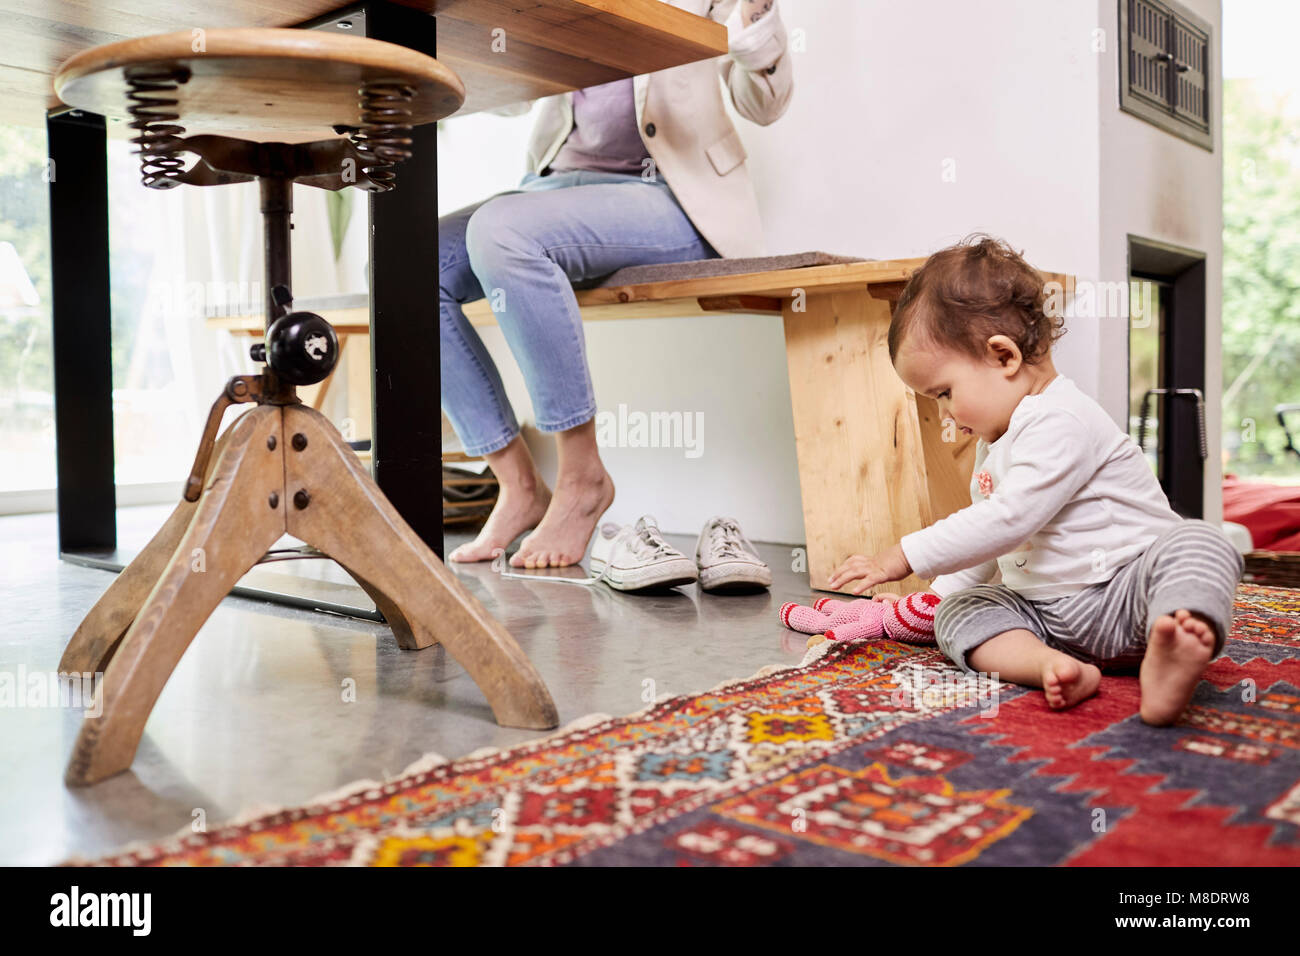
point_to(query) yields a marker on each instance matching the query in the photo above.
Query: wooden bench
(875, 461)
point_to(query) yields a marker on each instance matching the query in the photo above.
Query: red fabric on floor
(1271, 512)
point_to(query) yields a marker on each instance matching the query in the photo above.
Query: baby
(1097, 571)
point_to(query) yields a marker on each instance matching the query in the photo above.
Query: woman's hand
(889, 565)
(751, 10)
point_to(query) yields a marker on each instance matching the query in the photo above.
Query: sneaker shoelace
(650, 544)
(728, 542)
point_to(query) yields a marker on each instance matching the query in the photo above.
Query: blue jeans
(526, 247)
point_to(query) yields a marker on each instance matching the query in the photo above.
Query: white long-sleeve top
(1066, 500)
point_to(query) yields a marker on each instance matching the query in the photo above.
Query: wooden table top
(550, 45)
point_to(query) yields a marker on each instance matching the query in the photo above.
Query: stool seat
(258, 83)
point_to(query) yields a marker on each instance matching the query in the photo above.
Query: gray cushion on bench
(703, 268)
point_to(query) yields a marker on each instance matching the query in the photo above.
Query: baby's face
(979, 396)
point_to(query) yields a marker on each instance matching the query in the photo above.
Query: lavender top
(604, 135)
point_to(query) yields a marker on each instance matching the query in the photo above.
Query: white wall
(1007, 94)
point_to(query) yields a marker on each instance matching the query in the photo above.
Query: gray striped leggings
(1191, 565)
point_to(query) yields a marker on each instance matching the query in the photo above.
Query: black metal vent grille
(1191, 93)
(1147, 35)
(1164, 68)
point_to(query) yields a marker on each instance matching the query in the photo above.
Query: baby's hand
(858, 566)
(887, 598)
(889, 565)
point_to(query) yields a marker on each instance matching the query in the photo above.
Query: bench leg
(873, 462)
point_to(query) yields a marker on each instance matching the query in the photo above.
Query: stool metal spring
(384, 137)
(155, 121)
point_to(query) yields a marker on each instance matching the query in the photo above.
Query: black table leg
(82, 330)
(407, 447)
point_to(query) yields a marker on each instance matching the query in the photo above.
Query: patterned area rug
(864, 754)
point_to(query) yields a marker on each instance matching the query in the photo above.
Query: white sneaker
(726, 559)
(635, 556)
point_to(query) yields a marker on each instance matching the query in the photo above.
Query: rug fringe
(816, 652)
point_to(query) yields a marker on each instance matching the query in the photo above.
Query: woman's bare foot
(522, 500)
(562, 537)
(583, 492)
(515, 512)
(1067, 681)
(1178, 649)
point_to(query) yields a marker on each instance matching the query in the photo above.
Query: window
(26, 355)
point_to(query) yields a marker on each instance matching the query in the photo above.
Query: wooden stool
(284, 96)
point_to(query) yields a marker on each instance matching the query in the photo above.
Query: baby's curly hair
(965, 293)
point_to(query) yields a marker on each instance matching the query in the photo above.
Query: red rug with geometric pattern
(865, 754)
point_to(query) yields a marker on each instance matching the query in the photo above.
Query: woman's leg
(526, 249)
(583, 491)
(475, 402)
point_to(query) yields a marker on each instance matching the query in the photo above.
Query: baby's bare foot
(1178, 649)
(561, 539)
(1067, 681)
(514, 513)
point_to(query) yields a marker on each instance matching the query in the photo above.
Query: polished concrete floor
(255, 712)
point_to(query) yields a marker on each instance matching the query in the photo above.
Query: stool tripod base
(308, 483)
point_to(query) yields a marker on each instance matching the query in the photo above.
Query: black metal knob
(301, 348)
(281, 295)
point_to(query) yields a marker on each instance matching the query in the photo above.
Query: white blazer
(686, 129)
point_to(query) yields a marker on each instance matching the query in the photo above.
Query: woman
(642, 170)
